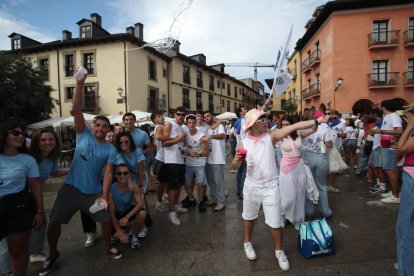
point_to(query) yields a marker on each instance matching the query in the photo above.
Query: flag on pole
(282, 77)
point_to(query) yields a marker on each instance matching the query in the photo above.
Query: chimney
(130, 30)
(66, 35)
(176, 46)
(139, 30)
(97, 19)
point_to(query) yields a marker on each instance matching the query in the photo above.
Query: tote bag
(316, 238)
(336, 163)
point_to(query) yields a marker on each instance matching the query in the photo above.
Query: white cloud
(8, 22)
(230, 31)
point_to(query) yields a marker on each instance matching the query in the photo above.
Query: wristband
(127, 216)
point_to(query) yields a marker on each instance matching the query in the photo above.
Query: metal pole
(126, 105)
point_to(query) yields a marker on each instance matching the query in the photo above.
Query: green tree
(23, 94)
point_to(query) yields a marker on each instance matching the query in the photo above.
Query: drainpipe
(125, 79)
(58, 71)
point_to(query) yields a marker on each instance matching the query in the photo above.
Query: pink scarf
(287, 164)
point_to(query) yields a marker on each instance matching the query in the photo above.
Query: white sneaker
(180, 209)
(174, 219)
(282, 259)
(90, 239)
(36, 258)
(160, 206)
(391, 199)
(250, 253)
(386, 195)
(143, 232)
(219, 207)
(165, 199)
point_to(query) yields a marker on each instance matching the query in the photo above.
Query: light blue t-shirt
(140, 137)
(89, 161)
(131, 160)
(46, 168)
(123, 201)
(14, 171)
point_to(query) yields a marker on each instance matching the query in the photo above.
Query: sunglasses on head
(122, 173)
(180, 114)
(261, 120)
(15, 132)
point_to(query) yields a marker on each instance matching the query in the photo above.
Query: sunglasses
(328, 113)
(123, 142)
(261, 120)
(15, 132)
(122, 173)
(180, 114)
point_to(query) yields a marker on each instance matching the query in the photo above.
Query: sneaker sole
(117, 257)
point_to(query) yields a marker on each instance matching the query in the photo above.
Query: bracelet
(127, 216)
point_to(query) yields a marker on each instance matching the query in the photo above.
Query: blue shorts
(388, 159)
(375, 158)
(149, 160)
(199, 172)
(350, 144)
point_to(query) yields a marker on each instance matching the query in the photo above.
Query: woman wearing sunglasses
(128, 153)
(123, 210)
(45, 148)
(20, 210)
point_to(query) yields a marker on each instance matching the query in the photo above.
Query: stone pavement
(211, 243)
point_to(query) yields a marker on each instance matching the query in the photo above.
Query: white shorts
(270, 198)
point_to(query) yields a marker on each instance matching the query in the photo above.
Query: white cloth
(351, 133)
(338, 129)
(194, 145)
(261, 163)
(313, 141)
(217, 147)
(312, 192)
(203, 128)
(390, 122)
(172, 154)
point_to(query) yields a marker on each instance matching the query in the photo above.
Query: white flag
(282, 77)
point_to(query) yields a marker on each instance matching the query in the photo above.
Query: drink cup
(242, 152)
(80, 73)
(99, 205)
(385, 141)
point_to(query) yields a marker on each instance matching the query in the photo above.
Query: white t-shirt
(203, 128)
(339, 128)
(194, 145)
(217, 147)
(390, 122)
(313, 141)
(351, 133)
(172, 154)
(160, 150)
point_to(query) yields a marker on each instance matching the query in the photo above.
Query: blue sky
(226, 31)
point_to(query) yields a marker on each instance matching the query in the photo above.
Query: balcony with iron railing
(312, 91)
(315, 58)
(409, 37)
(305, 66)
(155, 104)
(291, 104)
(382, 80)
(408, 79)
(385, 39)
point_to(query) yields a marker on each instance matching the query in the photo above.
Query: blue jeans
(38, 237)
(318, 164)
(278, 156)
(363, 162)
(215, 178)
(5, 262)
(241, 176)
(405, 227)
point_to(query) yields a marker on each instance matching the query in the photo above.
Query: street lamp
(339, 82)
(120, 93)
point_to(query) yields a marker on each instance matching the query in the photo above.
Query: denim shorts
(350, 144)
(388, 159)
(149, 159)
(199, 172)
(375, 158)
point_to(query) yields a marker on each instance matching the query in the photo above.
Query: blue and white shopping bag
(316, 239)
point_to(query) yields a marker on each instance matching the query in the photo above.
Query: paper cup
(80, 73)
(99, 205)
(242, 152)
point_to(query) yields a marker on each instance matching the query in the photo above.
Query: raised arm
(77, 106)
(279, 134)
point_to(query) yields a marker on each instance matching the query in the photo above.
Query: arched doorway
(363, 106)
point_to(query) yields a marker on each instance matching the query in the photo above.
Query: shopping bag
(316, 238)
(336, 163)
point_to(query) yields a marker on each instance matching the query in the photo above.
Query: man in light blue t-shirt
(140, 137)
(92, 156)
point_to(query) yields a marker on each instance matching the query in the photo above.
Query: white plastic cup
(99, 205)
(80, 73)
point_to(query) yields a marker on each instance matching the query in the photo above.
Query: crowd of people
(281, 165)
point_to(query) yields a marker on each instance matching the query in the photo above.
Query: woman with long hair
(45, 148)
(20, 210)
